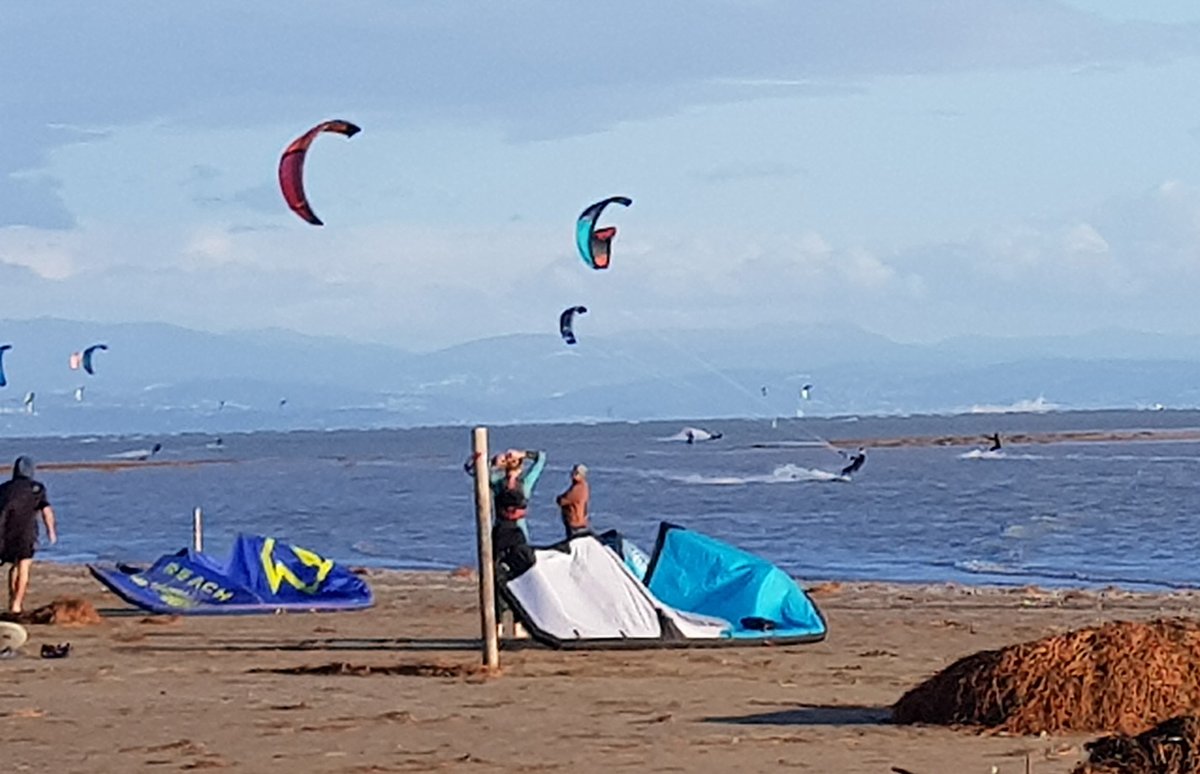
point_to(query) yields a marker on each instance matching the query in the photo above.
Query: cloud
(530, 67)
(1129, 262)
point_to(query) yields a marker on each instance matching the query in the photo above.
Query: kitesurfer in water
(690, 436)
(574, 503)
(857, 460)
(22, 501)
(994, 438)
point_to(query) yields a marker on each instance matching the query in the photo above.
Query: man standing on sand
(574, 503)
(22, 500)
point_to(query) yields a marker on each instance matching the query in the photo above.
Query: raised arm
(530, 476)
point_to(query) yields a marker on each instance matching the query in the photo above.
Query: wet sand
(141, 694)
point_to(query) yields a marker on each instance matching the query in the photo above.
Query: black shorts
(18, 544)
(14, 556)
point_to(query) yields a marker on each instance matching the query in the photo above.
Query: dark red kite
(291, 167)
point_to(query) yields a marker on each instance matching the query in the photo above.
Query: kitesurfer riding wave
(857, 460)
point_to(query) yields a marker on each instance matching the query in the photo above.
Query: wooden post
(197, 531)
(483, 540)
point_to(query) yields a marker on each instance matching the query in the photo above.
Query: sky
(917, 168)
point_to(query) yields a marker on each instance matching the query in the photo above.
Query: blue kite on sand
(262, 575)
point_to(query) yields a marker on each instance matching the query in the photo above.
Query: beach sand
(150, 694)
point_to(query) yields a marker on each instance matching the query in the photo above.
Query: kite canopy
(87, 356)
(696, 591)
(595, 244)
(262, 575)
(566, 322)
(3, 348)
(291, 166)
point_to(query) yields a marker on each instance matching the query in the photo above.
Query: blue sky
(919, 168)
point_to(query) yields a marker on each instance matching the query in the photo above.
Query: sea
(1090, 514)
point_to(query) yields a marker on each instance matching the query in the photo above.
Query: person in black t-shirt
(22, 501)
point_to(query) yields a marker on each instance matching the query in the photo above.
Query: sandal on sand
(61, 650)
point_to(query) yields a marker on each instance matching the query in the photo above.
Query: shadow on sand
(814, 715)
(252, 646)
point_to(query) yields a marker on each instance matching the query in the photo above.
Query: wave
(133, 454)
(697, 434)
(784, 474)
(983, 567)
(984, 454)
(1037, 406)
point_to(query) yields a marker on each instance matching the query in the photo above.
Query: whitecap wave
(697, 434)
(784, 474)
(1037, 406)
(984, 567)
(984, 454)
(133, 454)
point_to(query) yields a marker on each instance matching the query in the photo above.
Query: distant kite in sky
(805, 391)
(291, 167)
(566, 322)
(87, 357)
(3, 348)
(595, 245)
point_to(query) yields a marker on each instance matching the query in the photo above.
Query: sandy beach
(141, 693)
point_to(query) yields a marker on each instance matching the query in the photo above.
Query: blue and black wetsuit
(856, 462)
(511, 505)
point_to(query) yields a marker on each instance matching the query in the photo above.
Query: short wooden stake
(197, 531)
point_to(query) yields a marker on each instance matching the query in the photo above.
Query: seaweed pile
(1122, 677)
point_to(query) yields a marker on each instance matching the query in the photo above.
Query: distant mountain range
(158, 378)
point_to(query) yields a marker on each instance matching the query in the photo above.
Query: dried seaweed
(1120, 677)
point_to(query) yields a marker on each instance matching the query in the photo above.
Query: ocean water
(1086, 514)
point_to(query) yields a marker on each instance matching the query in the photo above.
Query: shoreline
(397, 687)
(987, 581)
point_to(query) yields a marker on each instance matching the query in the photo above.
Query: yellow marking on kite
(277, 571)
